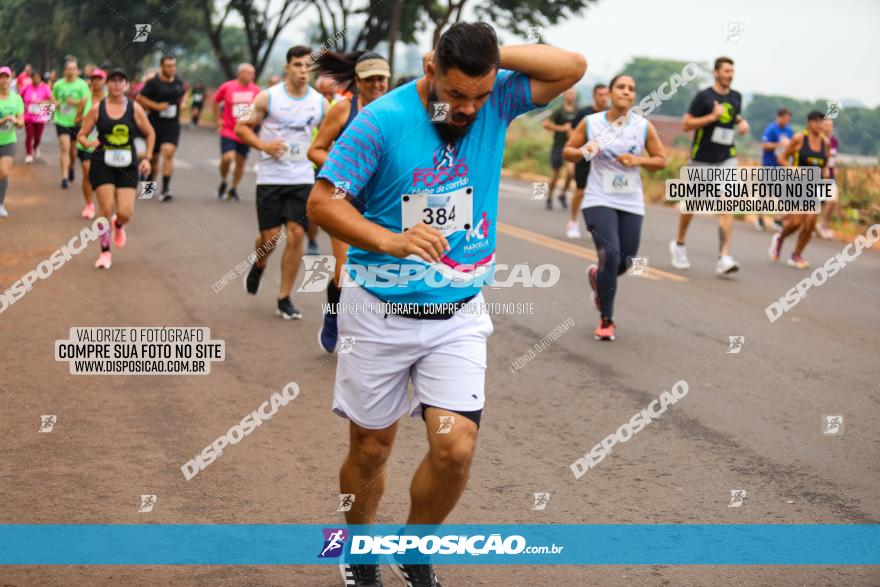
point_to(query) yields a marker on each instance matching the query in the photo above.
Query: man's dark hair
(167, 57)
(815, 115)
(598, 87)
(297, 51)
(469, 47)
(405, 80)
(783, 112)
(721, 61)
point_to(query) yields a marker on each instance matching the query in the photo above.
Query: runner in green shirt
(70, 94)
(11, 116)
(98, 91)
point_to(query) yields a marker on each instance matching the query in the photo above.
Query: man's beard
(450, 133)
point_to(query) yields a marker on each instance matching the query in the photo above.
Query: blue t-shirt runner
(772, 134)
(430, 194)
(393, 160)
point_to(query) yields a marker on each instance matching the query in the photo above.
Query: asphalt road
(751, 420)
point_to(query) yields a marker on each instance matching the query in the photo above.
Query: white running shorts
(378, 354)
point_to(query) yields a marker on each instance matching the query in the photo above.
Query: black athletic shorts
(67, 130)
(277, 204)
(122, 177)
(556, 160)
(167, 132)
(581, 173)
(83, 155)
(227, 144)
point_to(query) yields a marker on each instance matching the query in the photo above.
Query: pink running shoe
(103, 261)
(118, 234)
(605, 329)
(797, 261)
(89, 211)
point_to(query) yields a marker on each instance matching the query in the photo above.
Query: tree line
(44, 32)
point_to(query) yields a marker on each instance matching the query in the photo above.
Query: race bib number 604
(448, 213)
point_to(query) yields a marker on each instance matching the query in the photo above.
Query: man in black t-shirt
(560, 123)
(582, 167)
(715, 115)
(162, 97)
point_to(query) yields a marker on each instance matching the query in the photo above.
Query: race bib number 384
(448, 213)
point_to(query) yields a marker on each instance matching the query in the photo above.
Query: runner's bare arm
(244, 128)
(79, 111)
(826, 169)
(552, 126)
(656, 153)
(572, 150)
(143, 124)
(692, 122)
(147, 103)
(342, 220)
(329, 131)
(551, 70)
(793, 145)
(88, 124)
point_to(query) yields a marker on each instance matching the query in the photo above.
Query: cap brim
(372, 72)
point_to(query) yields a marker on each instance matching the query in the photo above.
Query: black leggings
(616, 234)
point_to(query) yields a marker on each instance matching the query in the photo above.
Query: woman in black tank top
(808, 149)
(368, 74)
(114, 172)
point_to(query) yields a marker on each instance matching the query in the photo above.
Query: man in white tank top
(287, 113)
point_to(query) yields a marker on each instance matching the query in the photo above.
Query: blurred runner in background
(11, 118)
(38, 105)
(560, 123)
(236, 96)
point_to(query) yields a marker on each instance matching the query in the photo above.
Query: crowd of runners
(613, 210)
(338, 149)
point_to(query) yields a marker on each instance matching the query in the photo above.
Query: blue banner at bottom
(519, 544)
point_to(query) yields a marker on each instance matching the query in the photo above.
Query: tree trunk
(393, 31)
(215, 36)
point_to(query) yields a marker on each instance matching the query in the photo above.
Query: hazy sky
(805, 49)
(801, 48)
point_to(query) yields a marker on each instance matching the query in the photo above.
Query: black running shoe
(233, 195)
(416, 575)
(71, 173)
(166, 196)
(64, 184)
(361, 575)
(562, 202)
(221, 191)
(252, 280)
(287, 310)
(549, 204)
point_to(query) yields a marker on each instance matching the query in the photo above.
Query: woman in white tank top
(613, 204)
